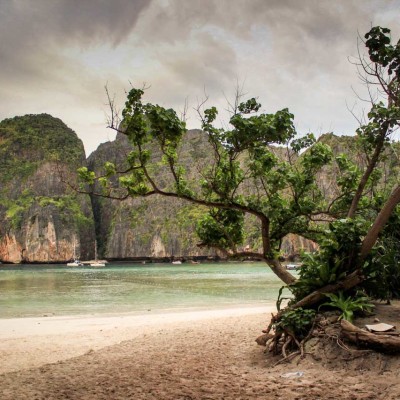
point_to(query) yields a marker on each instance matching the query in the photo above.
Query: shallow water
(37, 290)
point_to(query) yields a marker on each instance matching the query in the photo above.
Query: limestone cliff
(151, 227)
(163, 227)
(327, 178)
(41, 219)
(159, 226)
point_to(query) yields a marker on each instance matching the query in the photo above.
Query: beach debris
(381, 327)
(296, 374)
(387, 341)
(263, 339)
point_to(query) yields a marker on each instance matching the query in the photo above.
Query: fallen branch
(385, 343)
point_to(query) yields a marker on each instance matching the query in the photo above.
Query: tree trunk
(349, 282)
(281, 272)
(379, 223)
(365, 177)
(317, 296)
(386, 343)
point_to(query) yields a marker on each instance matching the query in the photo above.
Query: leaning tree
(248, 174)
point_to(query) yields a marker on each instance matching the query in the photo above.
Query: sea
(57, 290)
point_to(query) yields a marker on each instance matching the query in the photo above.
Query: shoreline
(143, 311)
(186, 355)
(18, 327)
(33, 342)
(135, 260)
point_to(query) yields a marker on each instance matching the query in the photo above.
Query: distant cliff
(41, 220)
(151, 227)
(158, 226)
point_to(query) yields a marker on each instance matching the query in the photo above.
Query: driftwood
(385, 343)
(263, 339)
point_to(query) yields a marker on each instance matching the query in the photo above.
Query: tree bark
(317, 296)
(387, 343)
(367, 173)
(281, 272)
(379, 223)
(277, 268)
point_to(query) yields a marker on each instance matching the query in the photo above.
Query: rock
(42, 220)
(159, 226)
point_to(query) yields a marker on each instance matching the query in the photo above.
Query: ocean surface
(47, 290)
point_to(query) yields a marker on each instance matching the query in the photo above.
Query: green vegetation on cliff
(67, 205)
(27, 141)
(34, 202)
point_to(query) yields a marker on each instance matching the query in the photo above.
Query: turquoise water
(37, 290)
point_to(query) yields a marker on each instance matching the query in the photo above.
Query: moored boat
(75, 263)
(96, 262)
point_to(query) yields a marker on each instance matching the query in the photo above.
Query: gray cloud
(69, 20)
(201, 64)
(35, 33)
(56, 55)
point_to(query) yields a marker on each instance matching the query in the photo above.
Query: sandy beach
(32, 342)
(177, 355)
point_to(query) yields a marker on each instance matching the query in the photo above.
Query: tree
(347, 259)
(245, 176)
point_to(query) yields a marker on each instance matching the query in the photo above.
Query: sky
(56, 57)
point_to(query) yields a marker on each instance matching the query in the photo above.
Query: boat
(292, 267)
(76, 262)
(177, 262)
(96, 262)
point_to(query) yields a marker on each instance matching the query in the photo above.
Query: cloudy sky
(56, 56)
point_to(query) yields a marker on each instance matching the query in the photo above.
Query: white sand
(31, 342)
(186, 355)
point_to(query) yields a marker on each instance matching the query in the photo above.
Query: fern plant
(348, 305)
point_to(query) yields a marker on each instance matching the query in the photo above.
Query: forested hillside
(42, 220)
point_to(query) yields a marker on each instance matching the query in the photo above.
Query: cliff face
(151, 227)
(158, 226)
(328, 176)
(42, 221)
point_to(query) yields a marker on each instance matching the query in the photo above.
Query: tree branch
(379, 223)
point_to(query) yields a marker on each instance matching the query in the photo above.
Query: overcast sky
(57, 55)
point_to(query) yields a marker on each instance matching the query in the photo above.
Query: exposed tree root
(286, 344)
(287, 358)
(385, 343)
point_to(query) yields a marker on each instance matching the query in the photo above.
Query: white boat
(177, 262)
(76, 262)
(96, 262)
